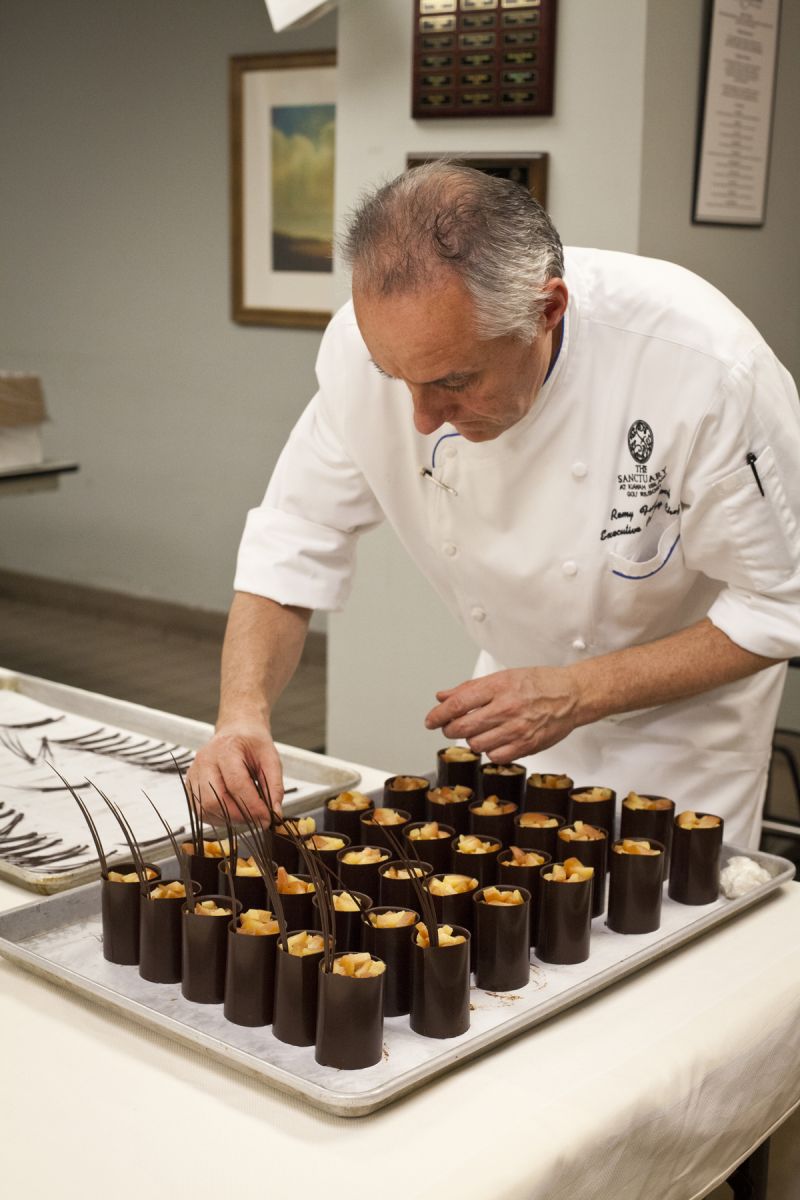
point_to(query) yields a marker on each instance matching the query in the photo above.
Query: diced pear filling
(350, 802)
(210, 908)
(580, 832)
(571, 871)
(646, 803)
(468, 843)
(303, 827)
(531, 820)
(524, 858)
(493, 895)
(344, 902)
(169, 891)
(257, 922)
(446, 936)
(391, 920)
(450, 795)
(407, 783)
(458, 754)
(403, 873)
(386, 816)
(366, 857)
(493, 806)
(550, 781)
(428, 832)
(358, 966)
(290, 885)
(452, 885)
(247, 867)
(510, 769)
(593, 793)
(319, 841)
(691, 820)
(634, 846)
(131, 877)
(210, 849)
(301, 944)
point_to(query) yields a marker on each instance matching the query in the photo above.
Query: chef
(592, 456)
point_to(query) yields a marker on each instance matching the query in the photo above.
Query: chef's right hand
(239, 752)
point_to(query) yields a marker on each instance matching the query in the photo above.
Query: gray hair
(490, 231)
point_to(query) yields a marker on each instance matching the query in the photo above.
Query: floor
(178, 672)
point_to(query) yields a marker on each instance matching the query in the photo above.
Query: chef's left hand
(511, 713)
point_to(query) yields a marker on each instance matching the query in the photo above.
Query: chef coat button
(478, 614)
(579, 469)
(449, 549)
(579, 644)
(569, 567)
(450, 452)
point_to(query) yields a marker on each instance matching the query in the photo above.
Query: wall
(395, 644)
(115, 289)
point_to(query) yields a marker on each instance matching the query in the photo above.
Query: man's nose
(429, 413)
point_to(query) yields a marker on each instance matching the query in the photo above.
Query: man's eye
(455, 387)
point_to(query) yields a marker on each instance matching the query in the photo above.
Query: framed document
(282, 109)
(736, 123)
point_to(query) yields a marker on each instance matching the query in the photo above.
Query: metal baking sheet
(59, 938)
(315, 776)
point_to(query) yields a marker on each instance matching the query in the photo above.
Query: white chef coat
(621, 508)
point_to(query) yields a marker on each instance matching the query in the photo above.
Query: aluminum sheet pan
(316, 776)
(60, 937)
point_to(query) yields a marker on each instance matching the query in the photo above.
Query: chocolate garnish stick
(87, 816)
(427, 907)
(258, 844)
(130, 838)
(183, 860)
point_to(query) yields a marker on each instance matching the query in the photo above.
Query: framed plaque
(529, 169)
(282, 111)
(736, 120)
(483, 58)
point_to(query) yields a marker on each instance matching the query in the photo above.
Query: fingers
(458, 702)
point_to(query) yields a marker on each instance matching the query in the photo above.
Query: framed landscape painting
(282, 112)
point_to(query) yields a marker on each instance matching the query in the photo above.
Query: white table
(653, 1090)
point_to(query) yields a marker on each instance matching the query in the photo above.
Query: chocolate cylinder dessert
(503, 937)
(538, 831)
(548, 793)
(204, 863)
(458, 766)
(646, 816)
(248, 882)
(594, 806)
(161, 930)
(407, 792)
(476, 856)
(294, 1018)
(504, 780)
(120, 897)
(344, 812)
(636, 887)
(250, 968)
(389, 938)
(350, 1012)
(431, 842)
(518, 867)
(297, 897)
(327, 845)
(283, 850)
(440, 982)
(396, 886)
(358, 869)
(694, 867)
(384, 827)
(450, 806)
(563, 930)
(452, 900)
(493, 817)
(589, 844)
(205, 947)
(349, 909)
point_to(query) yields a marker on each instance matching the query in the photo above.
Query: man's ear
(555, 304)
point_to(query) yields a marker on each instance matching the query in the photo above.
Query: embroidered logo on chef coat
(640, 441)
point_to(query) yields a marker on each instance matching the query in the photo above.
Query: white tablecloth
(654, 1090)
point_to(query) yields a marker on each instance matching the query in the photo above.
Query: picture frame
(282, 144)
(527, 168)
